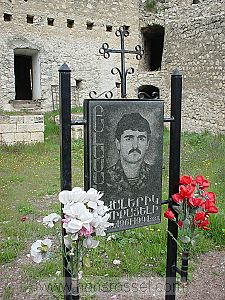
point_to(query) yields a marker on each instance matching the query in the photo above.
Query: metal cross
(105, 51)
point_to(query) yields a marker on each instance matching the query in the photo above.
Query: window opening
(78, 84)
(126, 27)
(148, 92)
(109, 28)
(90, 25)
(70, 23)
(50, 21)
(7, 17)
(153, 40)
(30, 19)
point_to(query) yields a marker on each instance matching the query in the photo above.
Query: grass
(30, 174)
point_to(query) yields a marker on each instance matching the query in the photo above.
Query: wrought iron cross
(105, 51)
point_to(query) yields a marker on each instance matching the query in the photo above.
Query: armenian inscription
(125, 158)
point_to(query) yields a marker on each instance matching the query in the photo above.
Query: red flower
(200, 216)
(177, 198)
(202, 182)
(187, 191)
(185, 180)
(180, 223)
(211, 196)
(169, 214)
(204, 224)
(197, 202)
(24, 218)
(201, 220)
(210, 207)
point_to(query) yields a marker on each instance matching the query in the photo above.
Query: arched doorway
(153, 40)
(148, 92)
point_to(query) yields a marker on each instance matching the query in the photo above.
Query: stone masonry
(54, 32)
(195, 43)
(21, 129)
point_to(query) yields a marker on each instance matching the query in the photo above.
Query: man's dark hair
(133, 121)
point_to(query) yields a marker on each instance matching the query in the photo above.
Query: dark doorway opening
(23, 77)
(148, 92)
(153, 37)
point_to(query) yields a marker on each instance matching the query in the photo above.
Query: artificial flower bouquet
(84, 216)
(193, 204)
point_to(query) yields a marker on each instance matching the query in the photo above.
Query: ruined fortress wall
(53, 45)
(195, 43)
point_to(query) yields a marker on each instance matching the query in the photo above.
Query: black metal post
(123, 77)
(174, 174)
(184, 267)
(65, 159)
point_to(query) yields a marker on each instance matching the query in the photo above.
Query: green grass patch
(30, 172)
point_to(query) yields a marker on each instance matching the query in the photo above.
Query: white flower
(51, 219)
(67, 241)
(94, 195)
(102, 209)
(90, 243)
(74, 210)
(92, 204)
(39, 250)
(78, 212)
(74, 196)
(116, 262)
(78, 195)
(73, 226)
(101, 224)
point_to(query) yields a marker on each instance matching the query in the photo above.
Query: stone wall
(93, 22)
(77, 131)
(195, 43)
(21, 129)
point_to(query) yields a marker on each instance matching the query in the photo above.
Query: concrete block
(8, 138)
(16, 119)
(23, 137)
(7, 128)
(77, 132)
(38, 119)
(4, 119)
(29, 119)
(37, 137)
(30, 127)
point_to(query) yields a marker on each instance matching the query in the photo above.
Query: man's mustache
(134, 150)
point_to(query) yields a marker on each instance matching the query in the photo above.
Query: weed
(151, 5)
(7, 293)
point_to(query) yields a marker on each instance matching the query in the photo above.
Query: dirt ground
(208, 282)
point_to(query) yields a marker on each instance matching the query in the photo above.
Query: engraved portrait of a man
(131, 175)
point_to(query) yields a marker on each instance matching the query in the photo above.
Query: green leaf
(193, 242)
(86, 262)
(178, 208)
(185, 239)
(186, 223)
